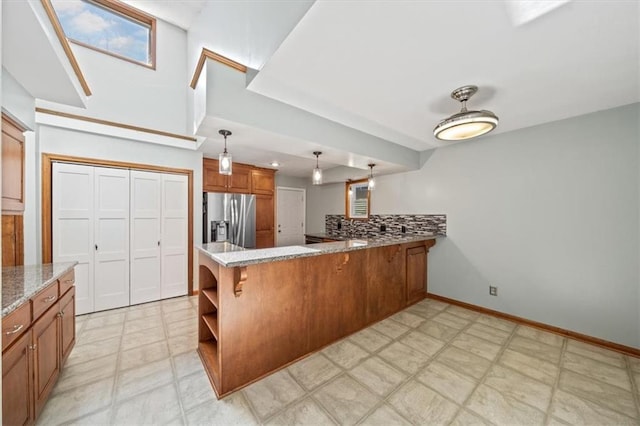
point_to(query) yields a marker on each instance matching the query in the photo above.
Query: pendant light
(317, 172)
(465, 124)
(224, 160)
(372, 181)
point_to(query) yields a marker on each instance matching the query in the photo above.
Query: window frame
(131, 13)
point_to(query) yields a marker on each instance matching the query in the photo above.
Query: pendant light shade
(225, 162)
(316, 177)
(372, 181)
(465, 124)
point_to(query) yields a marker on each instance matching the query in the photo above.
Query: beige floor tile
(144, 337)
(77, 402)
(502, 409)
(464, 362)
(467, 418)
(185, 326)
(232, 410)
(535, 368)
(176, 304)
(271, 394)
(536, 349)
(447, 381)
(436, 304)
(138, 380)
(603, 394)
(421, 405)
(520, 387)
(314, 371)
(384, 415)
(143, 311)
(410, 320)
(597, 370)
(183, 343)
(423, 343)
(438, 330)
(493, 335)
(552, 421)
(404, 357)
(636, 377)
(104, 320)
(423, 311)
(498, 323)
(137, 325)
(195, 390)
(98, 349)
(345, 354)
(378, 376)
(102, 417)
(540, 335)
(596, 353)
(451, 320)
(463, 313)
(144, 354)
(97, 334)
(346, 400)
(81, 374)
(306, 412)
(159, 406)
(578, 411)
(370, 340)
(179, 315)
(187, 363)
(477, 346)
(634, 363)
(391, 328)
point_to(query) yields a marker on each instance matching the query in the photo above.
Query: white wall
(291, 181)
(17, 101)
(549, 214)
(133, 94)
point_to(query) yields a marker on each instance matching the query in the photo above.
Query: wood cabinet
(17, 382)
(416, 273)
(386, 285)
(12, 240)
(263, 181)
(46, 356)
(265, 221)
(213, 181)
(12, 167)
(67, 324)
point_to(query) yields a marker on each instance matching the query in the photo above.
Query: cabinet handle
(16, 328)
(33, 347)
(68, 281)
(49, 299)
(59, 314)
(96, 246)
(158, 243)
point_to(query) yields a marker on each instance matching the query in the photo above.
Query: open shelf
(212, 323)
(212, 295)
(208, 351)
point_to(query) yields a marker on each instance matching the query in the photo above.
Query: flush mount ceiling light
(372, 181)
(224, 160)
(465, 124)
(275, 164)
(316, 177)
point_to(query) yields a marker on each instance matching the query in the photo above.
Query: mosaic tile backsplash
(339, 225)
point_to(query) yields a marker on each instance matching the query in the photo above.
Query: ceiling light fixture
(224, 160)
(317, 172)
(275, 164)
(372, 181)
(465, 124)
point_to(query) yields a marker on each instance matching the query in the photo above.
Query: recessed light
(275, 164)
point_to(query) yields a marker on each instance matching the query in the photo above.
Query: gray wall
(549, 214)
(291, 181)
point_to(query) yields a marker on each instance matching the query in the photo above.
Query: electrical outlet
(493, 290)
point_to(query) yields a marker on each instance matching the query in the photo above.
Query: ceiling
(387, 68)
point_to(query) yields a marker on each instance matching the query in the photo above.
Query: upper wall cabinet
(262, 181)
(12, 167)
(238, 182)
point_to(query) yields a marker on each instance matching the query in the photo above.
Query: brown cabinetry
(263, 181)
(416, 273)
(67, 324)
(46, 356)
(385, 288)
(17, 382)
(12, 167)
(238, 182)
(265, 221)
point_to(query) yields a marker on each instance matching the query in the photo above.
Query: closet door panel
(173, 247)
(73, 227)
(145, 236)
(111, 189)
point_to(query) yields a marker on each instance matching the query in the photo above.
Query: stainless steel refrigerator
(229, 217)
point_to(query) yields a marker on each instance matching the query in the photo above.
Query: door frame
(46, 214)
(304, 208)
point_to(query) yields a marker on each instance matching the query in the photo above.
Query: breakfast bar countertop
(229, 255)
(19, 283)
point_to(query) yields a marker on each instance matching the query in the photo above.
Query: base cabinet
(67, 324)
(46, 355)
(17, 383)
(416, 273)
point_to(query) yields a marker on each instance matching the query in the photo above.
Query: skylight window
(110, 27)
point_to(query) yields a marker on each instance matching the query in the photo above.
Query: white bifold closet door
(146, 202)
(72, 209)
(174, 231)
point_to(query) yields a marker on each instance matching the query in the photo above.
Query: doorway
(290, 216)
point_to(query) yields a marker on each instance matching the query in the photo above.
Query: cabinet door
(386, 291)
(174, 231)
(17, 392)
(12, 240)
(240, 179)
(12, 167)
(111, 282)
(212, 180)
(262, 181)
(46, 356)
(145, 236)
(67, 324)
(264, 221)
(416, 273)
(73, 227)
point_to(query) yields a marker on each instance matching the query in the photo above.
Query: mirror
(357, 199)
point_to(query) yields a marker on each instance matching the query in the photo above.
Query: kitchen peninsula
(260, 310)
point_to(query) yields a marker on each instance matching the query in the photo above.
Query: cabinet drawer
(44, 300)
(15, 324)
(66, 282)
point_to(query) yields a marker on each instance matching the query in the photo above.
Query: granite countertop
(325, 235)
(231, 257)
(19, 283)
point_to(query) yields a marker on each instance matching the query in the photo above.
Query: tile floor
(431, 364)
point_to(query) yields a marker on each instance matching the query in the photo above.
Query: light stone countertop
(237, 256)
(19, 283)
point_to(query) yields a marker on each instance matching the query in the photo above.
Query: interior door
(290, 213)
(73, 227)
(174, 232)
(111, 243)
(145, 236)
